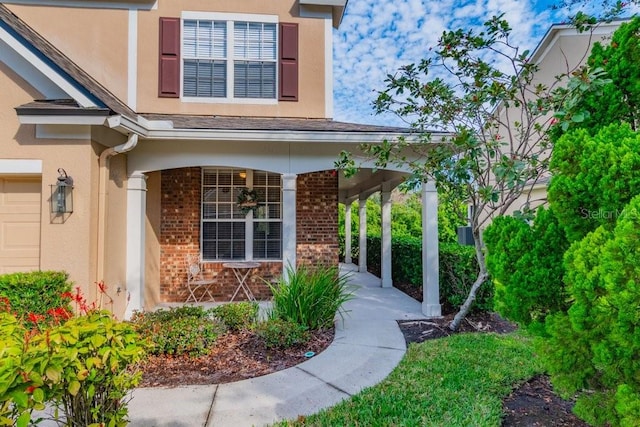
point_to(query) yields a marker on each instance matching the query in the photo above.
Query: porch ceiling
(366, 182)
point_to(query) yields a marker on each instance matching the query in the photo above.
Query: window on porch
(228, 233)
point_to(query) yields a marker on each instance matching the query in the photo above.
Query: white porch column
(387, 282)
(289, 239)
(430, 256)
(136, 214)
(347, 233)
(362, 211)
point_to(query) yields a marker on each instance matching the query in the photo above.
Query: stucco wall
(98, 41)
(66, 241)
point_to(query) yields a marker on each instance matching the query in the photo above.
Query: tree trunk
(483, 275)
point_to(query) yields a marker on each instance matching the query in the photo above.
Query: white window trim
(230, 18)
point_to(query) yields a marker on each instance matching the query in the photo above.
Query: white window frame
(230, 19)
(249, 220)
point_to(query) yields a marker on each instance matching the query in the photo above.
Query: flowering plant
(78, 363)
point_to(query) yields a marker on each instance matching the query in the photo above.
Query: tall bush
(594, 177)
(526, 265)
(594, 349)
(310, 297)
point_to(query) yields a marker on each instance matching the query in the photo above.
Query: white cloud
(378, 36)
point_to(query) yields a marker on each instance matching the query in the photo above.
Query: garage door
(19, 224)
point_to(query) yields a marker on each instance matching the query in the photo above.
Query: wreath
(247, 200)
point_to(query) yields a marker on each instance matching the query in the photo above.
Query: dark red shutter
(169, 66)
(288, 62)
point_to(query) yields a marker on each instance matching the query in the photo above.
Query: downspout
(103, 163)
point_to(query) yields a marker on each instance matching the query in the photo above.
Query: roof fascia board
(103, 4)
(54, 75)
(560, 30)
(162, 130)
(337, 8)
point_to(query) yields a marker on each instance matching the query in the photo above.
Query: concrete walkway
(368, 345)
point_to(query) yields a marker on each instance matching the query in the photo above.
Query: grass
(455, 381)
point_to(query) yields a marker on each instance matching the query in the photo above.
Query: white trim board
(20, 166)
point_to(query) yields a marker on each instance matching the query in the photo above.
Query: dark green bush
(185, 330)
(35, 292)
(282, 334)
(310, 297)
(458, 269)
(594, 177)
(594, 349)
(525, 263)
(237, 315)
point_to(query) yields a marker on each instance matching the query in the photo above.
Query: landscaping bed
(235, 356)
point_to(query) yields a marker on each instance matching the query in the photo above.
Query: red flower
(30, 389)
(35, 318)
(102, 287)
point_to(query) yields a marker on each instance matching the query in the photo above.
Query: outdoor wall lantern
(62, 194)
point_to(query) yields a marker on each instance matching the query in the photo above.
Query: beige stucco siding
(95, 39)
(66, 242)
(98, 41)
(311, 61)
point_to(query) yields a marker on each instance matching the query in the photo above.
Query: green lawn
(455, 381)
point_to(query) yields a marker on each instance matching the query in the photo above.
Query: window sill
(245, 101)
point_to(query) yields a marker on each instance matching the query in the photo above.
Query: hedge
(458, 269)
(35, 292)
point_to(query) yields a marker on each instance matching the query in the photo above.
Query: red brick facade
(317, 231)
(317, 218)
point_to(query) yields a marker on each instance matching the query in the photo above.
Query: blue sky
(376, 37)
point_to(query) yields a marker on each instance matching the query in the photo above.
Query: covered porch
(174, 201)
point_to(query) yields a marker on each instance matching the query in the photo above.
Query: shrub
(594, 177)
(525, 263)
(458, 270)
(310, 297)
(177, 331)
(80, 366)
(282, 334)
(35, 292)
(238, 315)
(594, 349)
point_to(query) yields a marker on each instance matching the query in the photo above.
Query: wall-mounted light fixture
(62, 194)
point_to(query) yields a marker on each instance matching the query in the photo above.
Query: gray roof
(62, 107)
(267, 124)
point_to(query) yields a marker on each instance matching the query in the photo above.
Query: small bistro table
(242, 270)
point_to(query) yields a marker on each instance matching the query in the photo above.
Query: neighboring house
(562, 50)
(162, 112)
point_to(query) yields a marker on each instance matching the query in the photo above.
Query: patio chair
(196, 280)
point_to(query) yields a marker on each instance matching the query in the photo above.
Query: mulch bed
(235, 356)
(241, 355)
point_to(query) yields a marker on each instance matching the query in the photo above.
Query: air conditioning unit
(465, 236)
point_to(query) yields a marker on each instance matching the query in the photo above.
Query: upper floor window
(223, 57)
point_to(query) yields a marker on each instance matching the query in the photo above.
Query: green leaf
(23, 420)
(38, 395)
(74, 387)
(54, 374)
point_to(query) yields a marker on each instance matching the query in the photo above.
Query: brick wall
(317, 218)
(180, 235)
(317, 232)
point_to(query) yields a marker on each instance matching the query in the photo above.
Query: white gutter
(103, 195)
